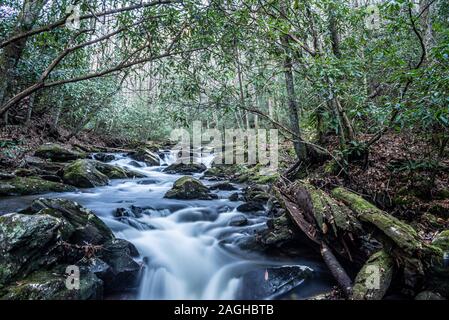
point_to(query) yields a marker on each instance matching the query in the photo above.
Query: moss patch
(31, 185)
(402, 234)
(374, 278)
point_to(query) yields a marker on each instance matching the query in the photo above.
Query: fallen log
(339, 273)
(373, 280)
(402, 234)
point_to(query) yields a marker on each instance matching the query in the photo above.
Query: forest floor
(16, 142)
(400, 177)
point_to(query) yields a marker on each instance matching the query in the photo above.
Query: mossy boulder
(25, 244)
(185, 168)
(57, 152)
(281, 231)
(256, 193)
(373, 280)
(116, 172)
(187, 188)
(91, 173)
(80, 225)
(84, 174)
(37, 245)
(222, 171)
(31, 185)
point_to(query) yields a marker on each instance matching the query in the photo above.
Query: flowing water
(191, 249)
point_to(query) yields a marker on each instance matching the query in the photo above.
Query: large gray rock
(80, 224)
(145, 155)
(187, 188)
(40, 242)
(25, 244)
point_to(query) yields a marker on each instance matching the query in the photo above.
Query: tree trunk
(292, 104)
(12, 53)
(30, 108)
(347, 129)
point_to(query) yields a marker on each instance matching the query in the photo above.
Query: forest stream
(191, 249)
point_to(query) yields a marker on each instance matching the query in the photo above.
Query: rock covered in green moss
(222, 171)
(31, 185)
(373, 280)
(86, 173)
(57, 152)
(281, 230)
(256, 193)
(37, 245)
(187, 188)
(25, 244)
(80, 224)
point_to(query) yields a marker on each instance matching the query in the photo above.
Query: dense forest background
(310, 68)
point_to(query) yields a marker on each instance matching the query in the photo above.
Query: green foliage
(240, 65)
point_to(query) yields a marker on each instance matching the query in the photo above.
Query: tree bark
(292, 104)
(13, 52)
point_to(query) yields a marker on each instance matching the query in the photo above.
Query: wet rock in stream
(104, 157)
(185, 168)
(272, 282)
(188, 188)
(91, 173)
(39, 243)
(149, 157)
(251, 206)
